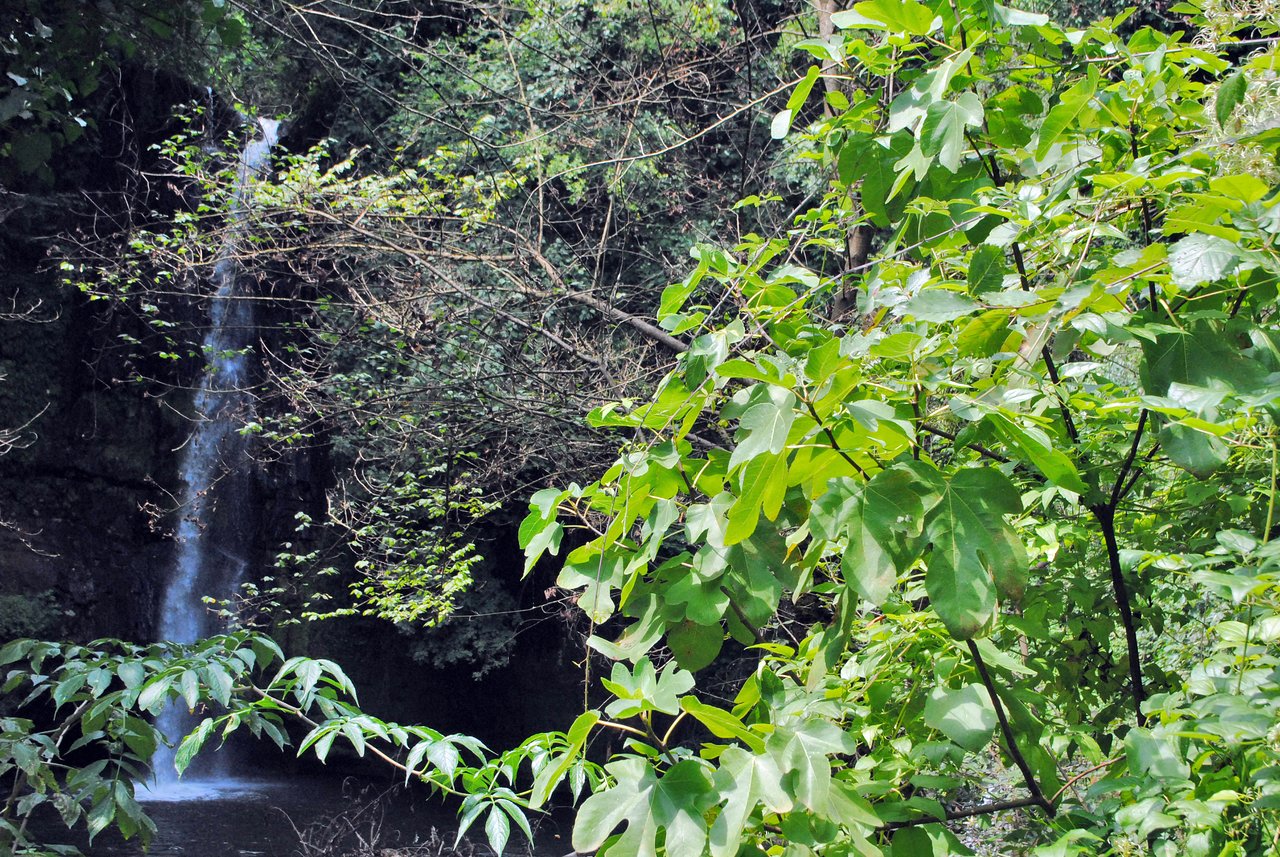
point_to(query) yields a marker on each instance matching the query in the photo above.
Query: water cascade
(215, 531)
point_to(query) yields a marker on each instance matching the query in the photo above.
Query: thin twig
(1080, 776)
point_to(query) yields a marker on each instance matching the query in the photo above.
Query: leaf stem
(1049, 365)
(1080, 776)
(622, 727)
(742, 616)
(666, 736)
(832, 438)
(976, 447)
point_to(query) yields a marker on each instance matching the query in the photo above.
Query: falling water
(214, 533)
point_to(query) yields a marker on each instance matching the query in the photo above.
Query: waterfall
(215, 530)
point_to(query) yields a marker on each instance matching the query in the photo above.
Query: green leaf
(986, 270)
(1036, 447)
(966, 715)
(801, 93)
(644, 689)
(940, 305)
(928, 840)
(943, 132)
(764, 484)
(1011, 17)
(100, 816)
(444, 754)
(191, 745)
(497, 829)
(695, 646)
(189, 684)
(634, 642)
(744, 781)
(879, 520)
(153, 696)
(1230, 94)
(764, 426)
(473, 805)
(219, 683)
(781, 124)
(676, 803)
(15, 650)
(803, 752)
(985, 334)
(131, 673)
(962, 565)
(551, 775)
(898, 16)
(1201, 258)
(1156, 755)
(539, 533)
(1072, 103)
(1201, 356)
(708, 521)
(1196, 452)
(721, 723)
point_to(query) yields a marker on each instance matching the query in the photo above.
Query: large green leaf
(929, 840)
(964, 715)
(744, 781)
(763, 486)
(898, 16)
(709, 522)
(803, 752)
(721, 723)
(1199, 356)
(1156, 753)
(645, 689)
(879, 523)
(943, 131)
(676, 803)
(939, 305)
(986, 270)
(1230, 94)
(1071, 104)
(764, 426)
(1036, 447)
(966, 557)
(1201, 258)
(695, 646)
(1199, 453)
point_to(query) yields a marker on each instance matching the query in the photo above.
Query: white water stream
(215, 530)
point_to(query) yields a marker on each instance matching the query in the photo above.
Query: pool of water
(307, 816)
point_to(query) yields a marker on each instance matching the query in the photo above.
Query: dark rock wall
(88, 462)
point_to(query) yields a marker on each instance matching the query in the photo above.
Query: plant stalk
(1106, 520)
(1037, 796)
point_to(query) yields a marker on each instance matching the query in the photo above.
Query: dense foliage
(1030, 479)
(60, 61)
(477, 270)
(976, 458)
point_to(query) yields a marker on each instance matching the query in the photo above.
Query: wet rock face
(76, 489)
(88, 488)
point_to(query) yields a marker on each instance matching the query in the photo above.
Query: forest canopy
(934, 347)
